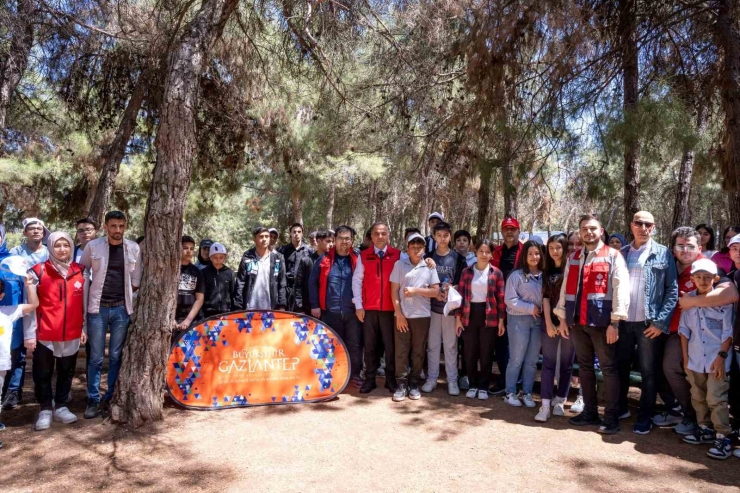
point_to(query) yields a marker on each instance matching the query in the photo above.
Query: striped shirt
(523, 293)
(636, 259)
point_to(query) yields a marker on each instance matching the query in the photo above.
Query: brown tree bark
(630, 75)
(728, 39)
(14, 65)
(681, 209)
(511, 185)
(110, 160)
(330, 206)
(139, 394)
(484, 198)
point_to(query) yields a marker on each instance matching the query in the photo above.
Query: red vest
(499, 250)
(325, 267)
(376, 284)
(60, 314)
(595, 305)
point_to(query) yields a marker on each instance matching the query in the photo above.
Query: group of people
(584, 298)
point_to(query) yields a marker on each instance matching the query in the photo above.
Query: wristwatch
(722, 354)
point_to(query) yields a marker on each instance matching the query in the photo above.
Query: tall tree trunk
(728, 38)
(110, 160)
(139, 395)
(14, 65)
(681, 209)
(484, 198)
(330, 206)
(426, 199)
(630, 72)
(508, 175)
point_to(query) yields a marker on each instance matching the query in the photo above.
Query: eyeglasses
(643, 224)
(340, 239)
(685, 248)
(34, 228)
(86, 230)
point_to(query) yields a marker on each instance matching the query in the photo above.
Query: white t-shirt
(414, 276)
(8, 315)
(260, 299)
(479, 288)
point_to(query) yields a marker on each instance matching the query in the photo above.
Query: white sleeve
(357, 277)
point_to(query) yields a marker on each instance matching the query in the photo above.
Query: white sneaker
(529, 400)
(578, 405)
(429, 386)
(64, 415)
(483, 395)
(559, 409)
(736, 453)
(44, 421)
(512, 400)
(557, 400)
(471, 394)
(453, 388)
(543, 414)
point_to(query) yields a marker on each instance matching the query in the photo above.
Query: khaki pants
(709, 396)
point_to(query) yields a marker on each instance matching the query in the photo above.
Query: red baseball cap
(510, 222)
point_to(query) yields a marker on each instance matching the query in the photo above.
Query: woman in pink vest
(59, 320)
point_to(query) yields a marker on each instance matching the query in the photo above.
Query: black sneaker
(722, 448)
(391, 386)
(609, 426)
(11, 400)
(104, 408)
(734, 438)
(368, 386)
(701, 435)
(586, 418)
(400, 393)
(498, 389)
(643, 427)
(91, 411)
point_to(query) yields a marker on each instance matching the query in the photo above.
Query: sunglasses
(643, 224)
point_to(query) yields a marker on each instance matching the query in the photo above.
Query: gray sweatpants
(442, 333)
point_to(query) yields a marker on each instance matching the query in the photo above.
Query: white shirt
(479, 288)
(357, 277)
(8, 315)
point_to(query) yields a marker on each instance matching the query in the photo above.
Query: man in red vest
(371, 288)
(595, 296)
(505, 257)
(330, 294)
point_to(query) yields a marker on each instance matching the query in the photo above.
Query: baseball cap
(733, 240)
(510, 222)
(217, 248)
(206, 243)
(704, 264)
(438, 215)
(273, 230)
(415, 236)
(31, 220)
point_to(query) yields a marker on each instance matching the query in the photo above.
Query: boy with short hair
(462, 241)
(442, 332)
(706, 338)
(412, 287)
(219, 283)
(191, 289)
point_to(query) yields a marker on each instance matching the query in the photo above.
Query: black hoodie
(219, 288)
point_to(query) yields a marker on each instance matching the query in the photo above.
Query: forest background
(210, 116)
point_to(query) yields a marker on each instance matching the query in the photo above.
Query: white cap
(415, 236)
(733, 240)
(217, 248)
(30, 220)
(704, 264)
(273, 230)
(438, 215)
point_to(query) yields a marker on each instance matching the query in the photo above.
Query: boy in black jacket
(260, 280)
(220, 282)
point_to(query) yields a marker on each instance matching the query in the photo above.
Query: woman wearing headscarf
(616, 241)
(59, 328)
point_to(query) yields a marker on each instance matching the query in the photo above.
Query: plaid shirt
(495, 305)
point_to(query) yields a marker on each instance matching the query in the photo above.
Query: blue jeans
(525, 339)
(117, 319)
(16, 376)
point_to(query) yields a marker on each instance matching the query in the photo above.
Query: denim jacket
(661, 285)
(95, 259)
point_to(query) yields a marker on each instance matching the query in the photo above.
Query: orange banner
(256, 358)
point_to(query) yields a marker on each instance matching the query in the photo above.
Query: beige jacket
(95, 260)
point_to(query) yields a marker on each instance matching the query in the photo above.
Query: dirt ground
(356, 442)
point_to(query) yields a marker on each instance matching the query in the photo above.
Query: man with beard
(292, 253)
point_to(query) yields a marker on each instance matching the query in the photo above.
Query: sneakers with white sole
(453, 388)
(578, 405)
(44, 421)
(529, 400)
(512, 400)
(559, 409)
(557, 400)
(543, 414)
(483, 395)
(471, 394)
(64, 415)
(429, 386)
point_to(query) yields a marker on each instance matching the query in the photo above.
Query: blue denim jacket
(661, 285)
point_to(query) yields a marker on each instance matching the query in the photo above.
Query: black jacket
(293, 257)
(245, 281)
(219, 290)
(302, 273)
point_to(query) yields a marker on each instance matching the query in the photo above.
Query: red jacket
(61, 310)
(498, 251)
(596, 295)
(376, 284)
(325, 267)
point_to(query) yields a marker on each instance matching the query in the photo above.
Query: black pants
(589, 341)
(411, 344)
(478, 344)
(378, 331)
(631, 334)
(43, 371)
(676, 376)
(734, 397)
(347, 326)
(501, 347)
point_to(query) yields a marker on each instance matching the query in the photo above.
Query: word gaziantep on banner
(256, 358)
